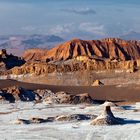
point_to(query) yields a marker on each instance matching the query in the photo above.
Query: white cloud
(69, 30)
(93, 28)
(81, 11)
(61, 29)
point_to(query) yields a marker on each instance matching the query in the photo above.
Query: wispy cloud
(61, 29)
(81, 11)
(93, 28)
(78, 30)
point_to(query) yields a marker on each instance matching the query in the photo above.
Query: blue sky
(87, 19)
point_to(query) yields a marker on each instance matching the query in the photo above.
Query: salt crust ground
(66, 130)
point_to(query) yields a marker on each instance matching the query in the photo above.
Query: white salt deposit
(65, 130)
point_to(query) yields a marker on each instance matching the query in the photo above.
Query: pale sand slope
(65, 130)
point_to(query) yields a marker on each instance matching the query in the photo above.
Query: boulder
(97, 83)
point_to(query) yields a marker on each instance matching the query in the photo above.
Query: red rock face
(34, 54)
(107, 48)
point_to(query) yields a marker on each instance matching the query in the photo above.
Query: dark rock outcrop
(14, 93)
(33, 121)
(10, 61)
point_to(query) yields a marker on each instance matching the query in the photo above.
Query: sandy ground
(66, 130)
(109, 92)
(82, 78)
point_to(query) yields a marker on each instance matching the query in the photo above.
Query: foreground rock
(68, 118)
(107, 118)
(32, 121)
(15, 93)
(64, 98)
(75, 117)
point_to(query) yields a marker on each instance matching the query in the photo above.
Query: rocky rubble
(63, 98)
(13, 94)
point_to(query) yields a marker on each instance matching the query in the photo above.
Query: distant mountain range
(131, 36)
(16, 44)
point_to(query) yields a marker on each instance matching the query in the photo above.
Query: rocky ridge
(79, 55)
(109, 48)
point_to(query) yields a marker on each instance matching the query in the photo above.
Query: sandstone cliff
(39, 68)
(34, 54)
(110, 48)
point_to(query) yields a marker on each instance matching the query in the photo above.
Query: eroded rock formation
(107, 118)
(34, 54)
(39, 68)
(110, 48)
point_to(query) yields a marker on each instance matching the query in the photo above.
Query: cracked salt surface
(80, 130)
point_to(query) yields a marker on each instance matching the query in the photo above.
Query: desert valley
(59, 93)
(69, 69)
